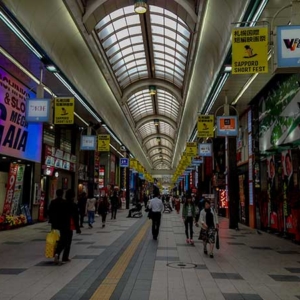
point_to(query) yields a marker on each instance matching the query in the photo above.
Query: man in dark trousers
(156, 206)
(60, 215)
(82, 207)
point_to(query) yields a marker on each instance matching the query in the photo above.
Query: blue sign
(227, 126)
(288, 46)
(88, 142)
(124, 162)
(205, 149)
(37, 110)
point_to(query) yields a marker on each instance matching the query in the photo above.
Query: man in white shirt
(156, 206)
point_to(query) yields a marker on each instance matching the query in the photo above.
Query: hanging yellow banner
(250, 46)
(133, 163)
(206, 126)
(103, 142)
(191, 149)
(64, 111)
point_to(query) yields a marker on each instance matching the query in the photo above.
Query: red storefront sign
(10, 189)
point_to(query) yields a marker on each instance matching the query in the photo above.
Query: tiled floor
(248, 266)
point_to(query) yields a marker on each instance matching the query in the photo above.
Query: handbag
(51, 243)
(217, 240)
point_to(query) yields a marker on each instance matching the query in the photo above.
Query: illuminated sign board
(18, 138)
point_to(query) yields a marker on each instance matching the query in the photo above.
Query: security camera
(123, 148)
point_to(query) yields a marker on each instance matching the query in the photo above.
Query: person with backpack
(188, 215)
(210, 223)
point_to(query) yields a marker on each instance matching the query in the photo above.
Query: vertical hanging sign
(205, 126)
(64, 111)
(10, 188)
(250, 46)
(103, 142)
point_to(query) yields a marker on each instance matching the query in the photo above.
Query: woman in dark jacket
(188, 215)
(66, 232)
(103, 209)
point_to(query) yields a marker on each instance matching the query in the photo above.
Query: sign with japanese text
(38, 110)
(10, 188)
(64, 111)
(103, 142)
(227, 126)
(18, 138)
(88, 142)
(205, 149)
(250, 46)
(191, 149)
(205, 126)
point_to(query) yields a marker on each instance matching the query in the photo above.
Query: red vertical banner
(41, 207)
(10, 188)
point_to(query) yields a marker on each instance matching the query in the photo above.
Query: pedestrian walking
(90, 209)
(188, 215)
(156, 207)
(114, 202)
(177, 204)
(209, 222)
(82, 208)
(64, 217)
(103, 209)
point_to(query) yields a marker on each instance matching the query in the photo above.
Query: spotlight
(140, 6)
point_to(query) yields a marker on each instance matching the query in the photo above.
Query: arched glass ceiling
(162, 166)
(120, 34)
(163, 151)
(140, 105)
(151, 143)
(171, 38)
(147, 129)
(167, 104)
(165, 128)
(166, 143)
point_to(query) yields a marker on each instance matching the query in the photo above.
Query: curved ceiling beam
(160, 147)
(159, 154)
(150, 118)
(154, 136)
(92, 15)
(144, 84)
(159, 161)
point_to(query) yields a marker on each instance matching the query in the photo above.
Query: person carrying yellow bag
(63, 216)
(51, 243)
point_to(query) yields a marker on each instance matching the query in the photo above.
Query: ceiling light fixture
(19, 34)
(156, 122)
(228, 69)
(152, 89)
(140, 6)
(51, 68)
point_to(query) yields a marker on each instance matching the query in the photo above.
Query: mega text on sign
(17, 137)
(250, 50)
(64, 111)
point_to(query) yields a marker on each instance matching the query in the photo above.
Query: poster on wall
(18, 190)
(279, 111)
(17, 137)
(10, 187)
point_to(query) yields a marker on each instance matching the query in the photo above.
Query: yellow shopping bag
(51, 243)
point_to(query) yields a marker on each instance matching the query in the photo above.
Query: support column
(233, 184)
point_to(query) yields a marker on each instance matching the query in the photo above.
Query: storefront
(20, 148)
(279, 140)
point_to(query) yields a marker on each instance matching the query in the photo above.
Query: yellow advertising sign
(103, 142)
(191, 149)
(206, 126)
(64, 111)
(133, 163)
(250, 46)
